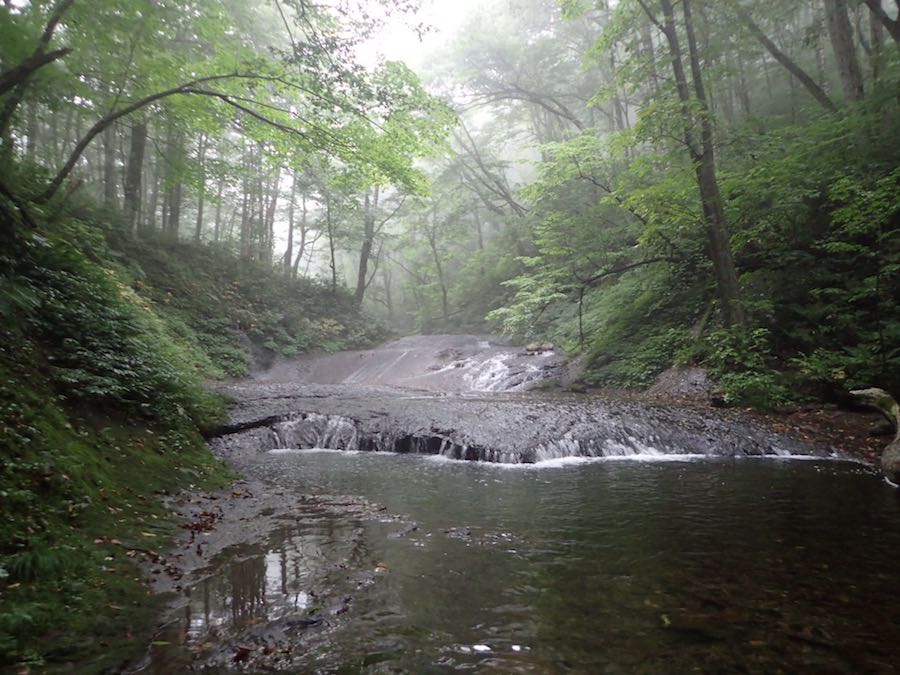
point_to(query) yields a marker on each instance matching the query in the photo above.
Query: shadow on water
(716, 566)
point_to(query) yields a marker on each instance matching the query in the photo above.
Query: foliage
(105, 343)
(614, 261)
(624, 348)
(230, 312)
(744, 365)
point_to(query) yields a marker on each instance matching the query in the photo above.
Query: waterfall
(501, 372)
(600, 437)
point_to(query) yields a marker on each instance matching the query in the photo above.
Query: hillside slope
(104, 347)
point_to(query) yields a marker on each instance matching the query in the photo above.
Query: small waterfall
(312, 430)
(501, 373)
(597, 432)
(488, 375)
(307, 431)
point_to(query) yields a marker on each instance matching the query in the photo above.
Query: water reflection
(706, 566)
(254, 595)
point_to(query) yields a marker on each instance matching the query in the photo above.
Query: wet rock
(302, 622)
(882, 428)
(506, 429)
(686, 383)
(890, 463)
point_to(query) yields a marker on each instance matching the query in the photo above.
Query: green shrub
(742, 362)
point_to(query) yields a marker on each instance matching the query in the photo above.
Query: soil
(850, 432)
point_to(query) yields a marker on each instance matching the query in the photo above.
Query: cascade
(383, 400)
(602, 436)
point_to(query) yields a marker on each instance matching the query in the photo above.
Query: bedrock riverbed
(596, 535)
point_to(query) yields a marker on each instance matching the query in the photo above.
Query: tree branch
(811, 86)
(18, 74)
(892, 25)
(599, 276)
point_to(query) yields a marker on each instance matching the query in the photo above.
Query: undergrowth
(104, 346)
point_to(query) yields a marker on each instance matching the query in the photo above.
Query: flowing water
(633, 562)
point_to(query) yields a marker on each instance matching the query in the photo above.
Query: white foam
(489, 374)
(647, 457)
(443, 459)
(654, 457)
(325, 451)
(805, 458)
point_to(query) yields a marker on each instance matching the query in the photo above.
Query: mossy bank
(104, 347)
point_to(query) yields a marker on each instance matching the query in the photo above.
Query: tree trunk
(301, 249)
(841, 33)
(703, 157)
(133, 174)
(154, 196)
(201, 197)
(16, 76)
(331, 242)
(892, 25)
(288, 261)
(877, 56)
(792, 67)
(32, 132)
(366, 249)
(819, 49)
(110, 189)
(173, 185)
(217, 231)
(439, 268)
(743, 85)
(246, 249)
(273, 192)
(650, 53)
(720, 247)
(388, 297)
(51, 154)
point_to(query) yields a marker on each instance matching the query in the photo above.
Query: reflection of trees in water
(247, 579)
(269, 583)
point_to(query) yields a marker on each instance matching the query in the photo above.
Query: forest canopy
(642, 181)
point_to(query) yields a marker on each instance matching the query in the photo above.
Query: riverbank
(105, 345)
(247, 510)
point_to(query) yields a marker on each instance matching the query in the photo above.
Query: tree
(841, 32)
(702, 153)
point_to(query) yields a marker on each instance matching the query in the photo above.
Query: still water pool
(605, 567)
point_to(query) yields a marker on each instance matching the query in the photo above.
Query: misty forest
(423, 336)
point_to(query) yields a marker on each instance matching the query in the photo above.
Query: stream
(582, 536)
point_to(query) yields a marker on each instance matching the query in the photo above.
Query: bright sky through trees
(399, 41)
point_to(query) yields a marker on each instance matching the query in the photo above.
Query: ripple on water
(639, 565)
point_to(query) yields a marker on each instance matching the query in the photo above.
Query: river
(633, 562)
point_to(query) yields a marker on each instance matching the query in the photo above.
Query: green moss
(77, 495)
(104, 347)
